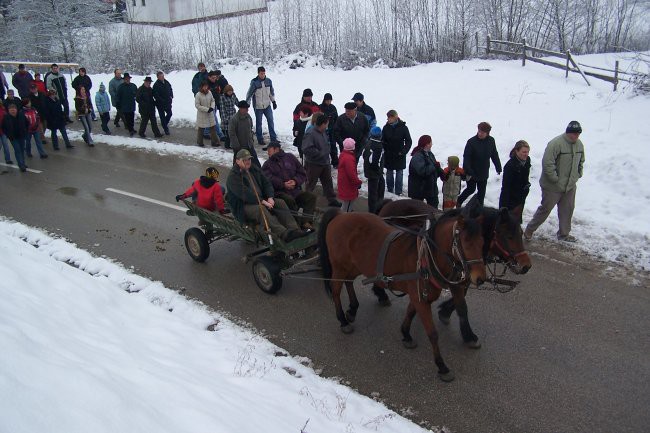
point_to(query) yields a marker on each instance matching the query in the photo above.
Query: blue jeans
(268, 113)
(55, 139)
(19, 151)
(394, 179)
(4, 143)
(206, 131)
(37, 140)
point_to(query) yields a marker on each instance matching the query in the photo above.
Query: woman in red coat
(206, 191)
(348, 179)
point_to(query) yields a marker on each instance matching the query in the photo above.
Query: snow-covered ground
(448, 100)
(87, 346)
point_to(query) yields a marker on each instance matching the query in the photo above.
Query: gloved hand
(210, 110)
(179, 197)
(275, 105)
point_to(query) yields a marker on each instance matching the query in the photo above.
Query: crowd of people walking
(324, 139)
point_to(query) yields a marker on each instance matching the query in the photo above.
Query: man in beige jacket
(562, 166)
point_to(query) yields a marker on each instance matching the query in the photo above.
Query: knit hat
(327, 97)
(349, 144)
(358, 97)
(307, 92)
(574, 127)
(484, 127)
(228, 88)
(375, 132)
(102, 88)
(453, 162)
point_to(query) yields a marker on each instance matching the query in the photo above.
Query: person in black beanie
(332, 113)
(476, 163)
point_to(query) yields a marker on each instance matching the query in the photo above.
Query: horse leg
(407, 340)
(351, 314)
(381, 295)
(444, 311)
(423, 309)
(470, 339)
(346, 328)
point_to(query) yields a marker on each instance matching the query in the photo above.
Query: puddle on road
(69, 190)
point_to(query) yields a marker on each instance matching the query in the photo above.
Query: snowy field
(90, 347)
(448, 100)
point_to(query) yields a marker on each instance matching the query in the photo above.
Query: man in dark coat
(373, 168)
(364, 108)
(21, 81)
(287, 176)
(352, 125)
(250, 197)
(126, 102)
(83, 80)
(306, 101)
(199, 77)
(332, 113)
(147, 108)
(14, 126)
(215, 88)
(163, 95)
(397, 143)
(55, 80)
(476, 162)
(55, 119)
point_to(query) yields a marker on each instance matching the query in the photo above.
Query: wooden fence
(532, 54)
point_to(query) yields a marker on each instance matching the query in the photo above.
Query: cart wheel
(197, 244)
(266, 272)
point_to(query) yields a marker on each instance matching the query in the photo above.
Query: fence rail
(526, 52)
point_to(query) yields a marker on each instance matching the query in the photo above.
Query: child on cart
(206, 192)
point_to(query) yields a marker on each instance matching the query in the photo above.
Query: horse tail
(325, 264)
(381, 204)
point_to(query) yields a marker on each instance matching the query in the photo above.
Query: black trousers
(118, 116)
(473, 185)
(105, 118)
(129, 121)
(145, 118)
(376, 189)
(165, 114)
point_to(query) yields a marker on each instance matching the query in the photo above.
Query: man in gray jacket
(316, 148)
(562, 166)
(112, 90)
(262, 94)
(240, 131)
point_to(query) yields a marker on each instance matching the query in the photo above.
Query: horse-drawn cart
(273, 258)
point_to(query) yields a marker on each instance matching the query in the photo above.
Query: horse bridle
(509, 257)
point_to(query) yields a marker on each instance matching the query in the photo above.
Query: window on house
(133, 2)
(144, 3)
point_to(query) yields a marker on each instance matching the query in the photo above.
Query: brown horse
(502, 237)
(416, 264)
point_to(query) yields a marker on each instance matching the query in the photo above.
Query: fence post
(523, 53)
(487, 48)
(476, 38)
(616, 76)
(568, 58)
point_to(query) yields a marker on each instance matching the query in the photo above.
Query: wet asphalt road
(567, 351)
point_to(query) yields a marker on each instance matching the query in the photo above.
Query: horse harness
(425, 259)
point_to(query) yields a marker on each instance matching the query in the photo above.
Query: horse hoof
(443, 319)
(347, 329)
(473, 344)
(384, 302)
(446, 377)
(350, 318)
(410, 344)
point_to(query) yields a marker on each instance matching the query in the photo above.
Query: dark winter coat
(299, 126)
(54, 114)
(38, 102)
(477, 155)
(15, 128)
(283, 167)
(21, 81)
(313, 107)
(80, 82)
(424, 171)
(369, 113)
(316, 147)
(331, 112)
(240, 132)
(240, 190)
(373, 159)
(348, 182)
(206, 193)
(126, 97)
(198, 78)
(58, 83)
(163, 93)
(113, 85)
(397, 143)
(144, 98)
(515, 185)
(357, 129)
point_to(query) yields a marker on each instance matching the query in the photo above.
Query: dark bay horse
(351, 245)
(502, 237)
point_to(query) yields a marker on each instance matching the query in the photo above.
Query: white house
(172, 13)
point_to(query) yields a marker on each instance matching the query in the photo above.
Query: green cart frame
(273, 258)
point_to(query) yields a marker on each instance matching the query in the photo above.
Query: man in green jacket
(562, 166)
(250, 197)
